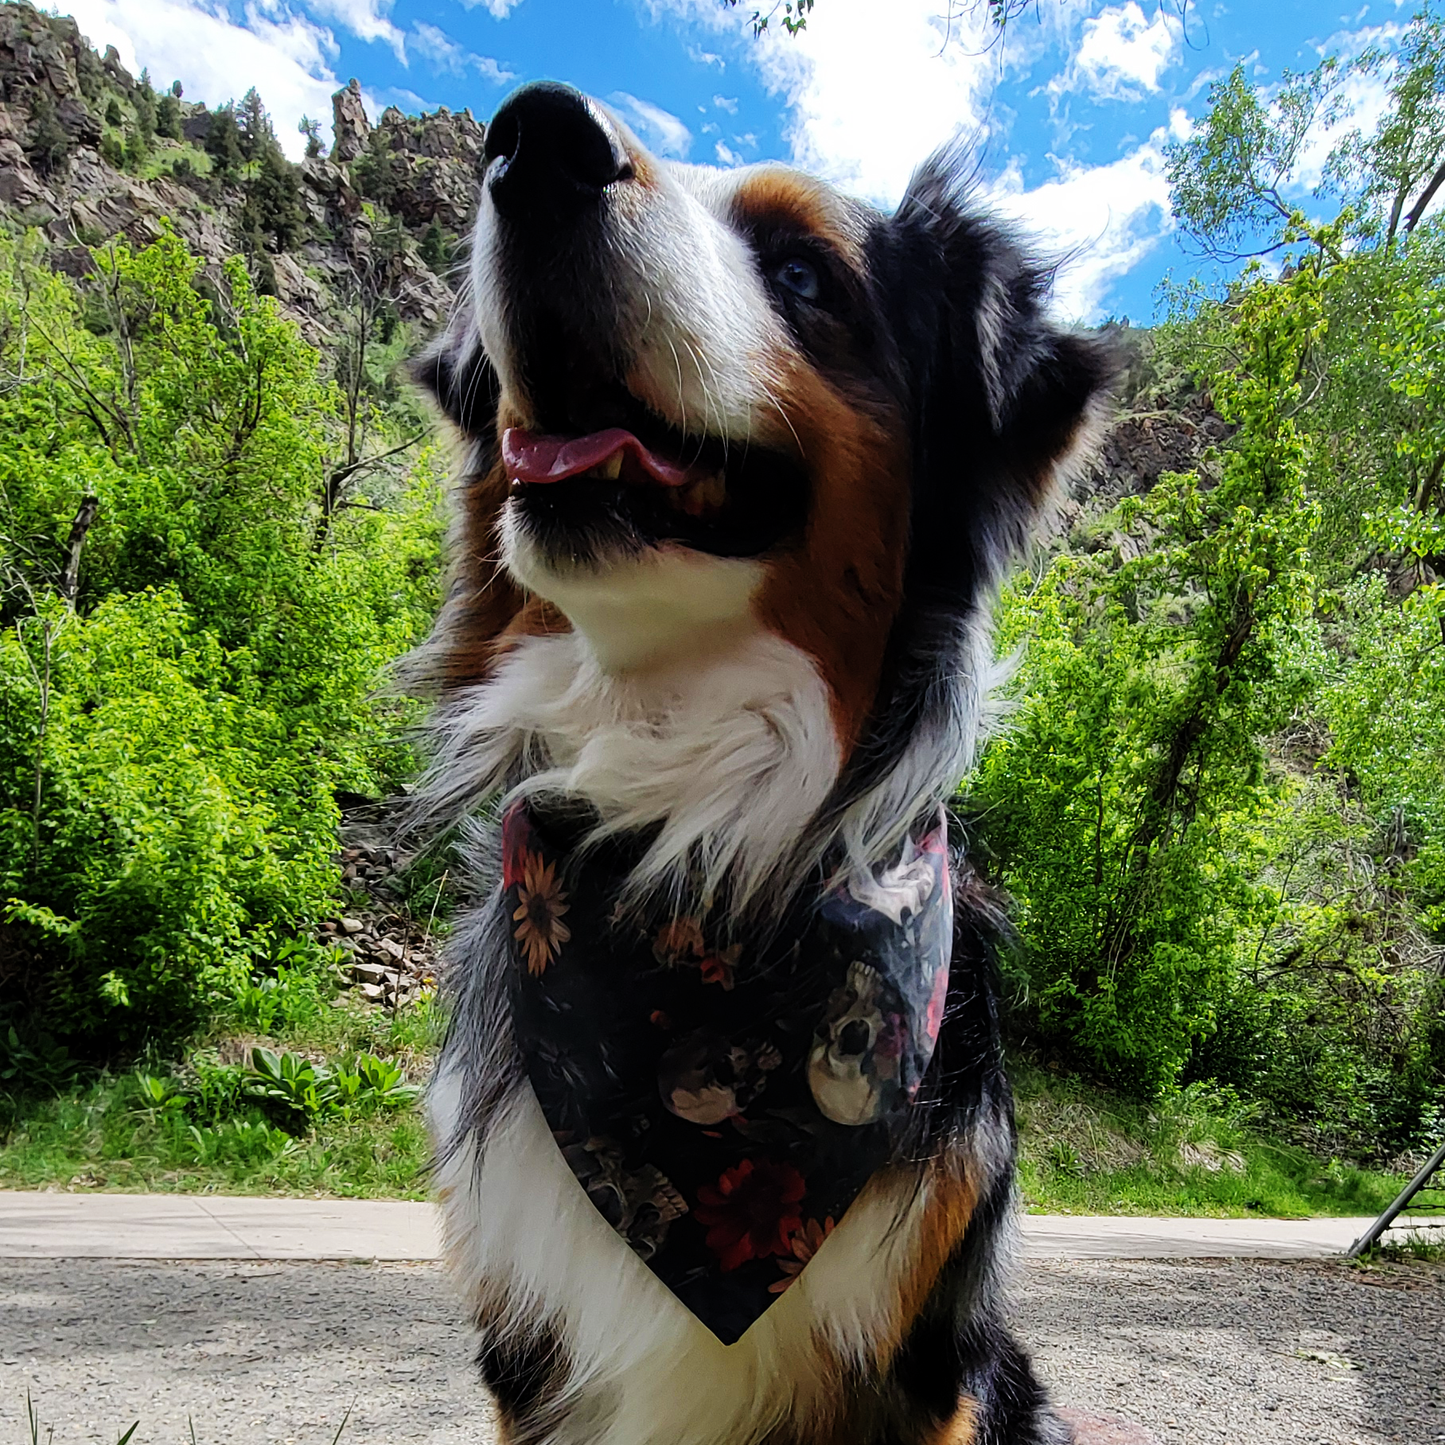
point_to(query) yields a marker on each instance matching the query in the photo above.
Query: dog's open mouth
(622, 488)
(613, 455)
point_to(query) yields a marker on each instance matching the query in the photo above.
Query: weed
(32, 1061)
(34, 1422)
(1410, 1245)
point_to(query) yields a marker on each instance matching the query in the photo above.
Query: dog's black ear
(1001, 392)
(455, 370)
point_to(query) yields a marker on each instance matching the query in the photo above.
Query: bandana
(723, 1099)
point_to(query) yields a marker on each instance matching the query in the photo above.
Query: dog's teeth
(611, 469)
(697, 498)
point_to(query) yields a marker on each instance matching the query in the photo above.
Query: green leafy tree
(1113, 806)
(1402, 164)
(185, 675)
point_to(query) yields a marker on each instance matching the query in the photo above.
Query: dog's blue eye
(799, 277)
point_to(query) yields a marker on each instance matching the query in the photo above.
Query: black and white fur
(671, 678)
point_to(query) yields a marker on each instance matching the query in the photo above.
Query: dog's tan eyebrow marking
(776, 198)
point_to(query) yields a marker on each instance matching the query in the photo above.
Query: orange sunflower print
(804, 1244)
(540, 906)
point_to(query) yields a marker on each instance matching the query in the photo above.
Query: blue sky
(1071, 114)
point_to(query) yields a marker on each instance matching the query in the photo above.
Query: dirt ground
(1199, 1352)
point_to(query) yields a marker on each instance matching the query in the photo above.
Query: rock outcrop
(385, 210)
(349, 126)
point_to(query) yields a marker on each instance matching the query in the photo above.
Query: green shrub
(172, 728)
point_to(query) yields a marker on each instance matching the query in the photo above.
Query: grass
(36, 1428)
(211, 1123)
(33, 1420)
(1200, 1152)
(1408, 1246)
(198, 1126)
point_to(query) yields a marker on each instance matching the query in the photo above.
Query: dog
(741, 463)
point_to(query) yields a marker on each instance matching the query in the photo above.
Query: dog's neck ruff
(723, 1097)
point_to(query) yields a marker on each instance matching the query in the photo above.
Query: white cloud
(434, 45)
(400, 97)
(659, 128)
(937, 83)
(497, 9)
(728, 103)
(217, 60)
(1101, 221)
(726, 155)
(366, 19)
(311, 46)
(493, 70)
(1121, 55)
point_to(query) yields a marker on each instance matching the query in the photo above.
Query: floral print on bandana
(721, 1098)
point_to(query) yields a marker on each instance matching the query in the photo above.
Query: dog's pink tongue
(532, 458)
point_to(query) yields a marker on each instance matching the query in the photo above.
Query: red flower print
(718, 967)
(804, 1244)
(516, 844)
(678, 942)
(751, 1212)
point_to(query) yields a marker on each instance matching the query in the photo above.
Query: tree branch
(1426, 196)
(70, 577)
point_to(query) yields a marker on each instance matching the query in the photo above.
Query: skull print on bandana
(723, 1099)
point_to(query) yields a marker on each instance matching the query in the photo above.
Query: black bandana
(721, 1102)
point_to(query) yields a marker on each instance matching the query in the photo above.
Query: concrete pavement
(204, 1226)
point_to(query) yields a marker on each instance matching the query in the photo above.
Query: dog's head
(699, 402)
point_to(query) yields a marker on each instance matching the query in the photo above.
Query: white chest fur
(643, 1370)
(732, 759)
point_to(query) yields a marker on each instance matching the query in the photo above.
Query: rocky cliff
(88, 152)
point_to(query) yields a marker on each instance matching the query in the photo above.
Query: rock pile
(392, 953)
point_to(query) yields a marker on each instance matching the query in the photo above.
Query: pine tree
(434, 249)
(168, 117)
(49, 146)
(273, 201)
(311, 129)
(145, 109)
(223, 144)
(257, 135)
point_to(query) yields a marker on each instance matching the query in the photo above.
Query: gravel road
(1199, 1352)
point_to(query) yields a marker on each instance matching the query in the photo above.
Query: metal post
(1371, 1236)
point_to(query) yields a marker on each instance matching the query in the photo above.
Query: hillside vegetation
(1218, 801)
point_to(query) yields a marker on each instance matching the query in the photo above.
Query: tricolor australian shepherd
(724, 1142)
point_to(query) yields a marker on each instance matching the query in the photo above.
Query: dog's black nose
(550, 153)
